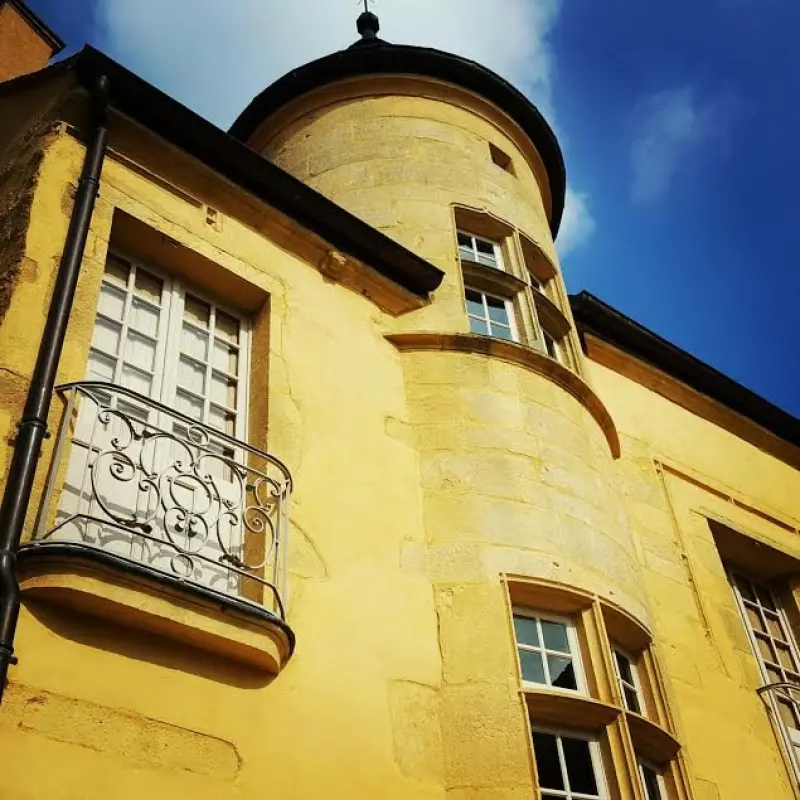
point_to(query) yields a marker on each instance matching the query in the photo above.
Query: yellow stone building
(533, 550)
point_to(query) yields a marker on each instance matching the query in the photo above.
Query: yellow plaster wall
(677, 471)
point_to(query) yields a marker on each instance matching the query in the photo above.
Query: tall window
(478, 250)
(548, 650)
(628, 679)
(568, 766)
(652, 782)
(490, 315)
(157, 338)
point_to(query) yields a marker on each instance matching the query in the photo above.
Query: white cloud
(669, 127)
(578, 225)
(215, 57)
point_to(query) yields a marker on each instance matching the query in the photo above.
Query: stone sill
(652, 742)
(568, 709)
(103, 585)
(524, 357)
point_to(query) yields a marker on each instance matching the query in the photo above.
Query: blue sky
(677, 120)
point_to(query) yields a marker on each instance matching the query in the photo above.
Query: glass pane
(766, 650)
(547, 764)
(117, 270)
(624, 667)
(754, 619)
(148, 286)
(136, 380)
(787, 713)
(465, 253)
(226, 358)
(532, 666)
(223, 390)
(478, 326)
(631, 700)
(579, 765)
(106, 335)
(562, 672)
(474, 303)
(497, 310)
(112, 302)
(190, 406)
(501, 332)
(652, 789)
(144, 318)
(555, 636)
(525, 630)
(485, 248)
(194, 343)
(487, 260)
(101, 367)
(227, 327)
(192, 376)
(785, 658)
(550, 345)
(140, 352)
(774, 625)
(196, 311)
(773, 675)
(746, 588)
(765, 598)
(222, 420)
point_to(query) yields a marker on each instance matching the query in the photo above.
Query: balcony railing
(140, 484)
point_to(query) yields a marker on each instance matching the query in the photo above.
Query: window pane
(101, 367)
(754, 618)
(106, 336)
(148, 286)
(478, 326)
(785, 658)
(497, 310)
(547, 764)
(464, 240)
(550, 345)
(117, 270)
(112, 302)
(532, 666)
(144, 317)
(196, 311)
(632, 700)
(765, 597)
(465, 253)
(624, 667)
(746, 588)
(484, 247)
(579, 765)
(765, 648)
(501, 332)
(652, 789)
(555, 636)
(140, 352)
(227, 327)
(135, 380)
(487, 260)
(194, 343)
(474, 303)
(774, 625)
(773, 675)
(525, 630)
(192, 376)
(562, 672)
(226, 358)
(224, 390)
(190, 406)
(222, 420)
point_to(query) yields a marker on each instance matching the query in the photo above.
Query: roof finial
(368, 23)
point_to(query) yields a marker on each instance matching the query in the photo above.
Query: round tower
(521, 503)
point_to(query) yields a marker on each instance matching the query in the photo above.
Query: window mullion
(563, 764)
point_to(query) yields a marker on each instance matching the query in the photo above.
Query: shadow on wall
(137, 645)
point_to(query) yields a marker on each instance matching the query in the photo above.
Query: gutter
(32, 430)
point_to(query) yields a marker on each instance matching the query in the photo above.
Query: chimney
(26, 43)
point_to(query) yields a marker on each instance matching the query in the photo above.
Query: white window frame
(498, 250)
(636, 686)
(574, 646)
(595, 755)
(168, 352)
(659, 773)
(557, 345)
(510, 312)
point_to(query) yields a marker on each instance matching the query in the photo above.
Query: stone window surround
(626, 738)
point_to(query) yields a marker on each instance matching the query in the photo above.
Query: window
(628, 679)
(548, 651)
(490, 315)
(479, 250)
(652, 782)
(501, 158)
(553, 346)
(568, 767)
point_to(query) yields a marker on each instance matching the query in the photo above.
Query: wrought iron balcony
(141, 485)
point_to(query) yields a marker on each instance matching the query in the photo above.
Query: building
(533, 550)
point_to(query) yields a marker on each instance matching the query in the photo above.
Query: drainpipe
(32, 429)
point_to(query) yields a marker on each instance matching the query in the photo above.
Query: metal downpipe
(33, 427)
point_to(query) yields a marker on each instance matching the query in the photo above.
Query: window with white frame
(628, 678)
(490, 315)
(479, 250)
(158, 338)
(553, 346)
(548, 650)
(652, 782)
(568, 766)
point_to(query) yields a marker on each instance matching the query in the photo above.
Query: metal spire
(368, 24)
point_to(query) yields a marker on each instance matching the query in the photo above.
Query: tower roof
(374, 56)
